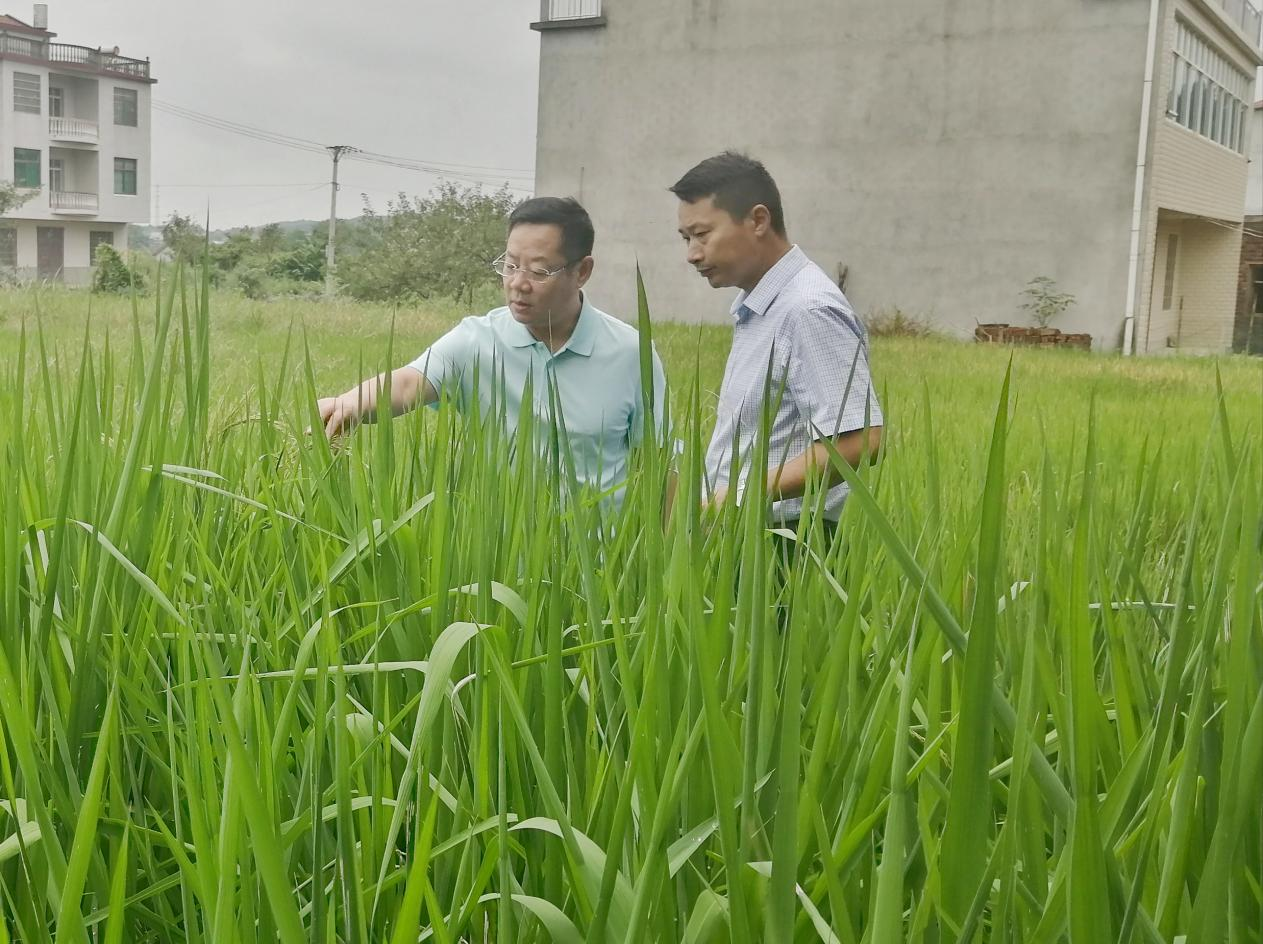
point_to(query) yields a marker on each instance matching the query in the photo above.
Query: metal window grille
(552, 10)
(125, 107)
(26, 92)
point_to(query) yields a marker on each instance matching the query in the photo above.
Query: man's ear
(583, 270)
(761, 219)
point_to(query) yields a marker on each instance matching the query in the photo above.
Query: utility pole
(336, 151)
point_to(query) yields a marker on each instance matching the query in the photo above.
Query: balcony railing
(1245, 14)
(551, 11)
(74, 129)
(75, 55)
(21, 46)
(69, 200)
(105, 61)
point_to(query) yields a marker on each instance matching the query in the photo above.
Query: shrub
(252, 282)
(897, 323)
(1043, 301)
(112, 274)
(304, 263)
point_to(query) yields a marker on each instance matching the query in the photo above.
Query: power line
(511, 171)
(469, 172)
(274, 186)
(236, 127)
(436, 171)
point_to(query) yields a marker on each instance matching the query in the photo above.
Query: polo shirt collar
(759, 300)
(582, 339)
(517, 333)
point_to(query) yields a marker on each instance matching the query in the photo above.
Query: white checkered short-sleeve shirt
(799, 324)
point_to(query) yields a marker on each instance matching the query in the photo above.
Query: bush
(112, 274)
(896, 323)
(304, 263)
(252, 282)
(1043, 301)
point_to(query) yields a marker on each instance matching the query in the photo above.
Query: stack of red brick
(1040, 337)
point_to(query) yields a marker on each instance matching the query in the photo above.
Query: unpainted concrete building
(942, 155)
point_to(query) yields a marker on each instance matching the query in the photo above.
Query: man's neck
(773, 253)
(556, 331)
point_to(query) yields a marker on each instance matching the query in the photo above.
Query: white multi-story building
(74, 136)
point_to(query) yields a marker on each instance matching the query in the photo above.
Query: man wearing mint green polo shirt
(548, 336)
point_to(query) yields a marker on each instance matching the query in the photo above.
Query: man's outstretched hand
(338, 414)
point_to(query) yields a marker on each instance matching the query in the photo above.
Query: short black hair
(577, 234)
(737, 182)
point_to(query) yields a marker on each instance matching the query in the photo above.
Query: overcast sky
(451, 82)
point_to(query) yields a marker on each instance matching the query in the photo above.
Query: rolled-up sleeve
(828, 373)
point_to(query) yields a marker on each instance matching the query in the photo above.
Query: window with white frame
(1209, 94)
(27, 92)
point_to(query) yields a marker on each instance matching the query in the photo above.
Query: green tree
(304, 263)
(270, 240)
(11, 197)
(442, 244)
(229, 254)
(184, 238)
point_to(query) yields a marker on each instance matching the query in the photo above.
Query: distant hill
(150, 237)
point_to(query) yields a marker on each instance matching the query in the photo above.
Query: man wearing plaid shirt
(789, 318)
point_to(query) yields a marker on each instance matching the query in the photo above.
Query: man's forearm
(406, 388)
(790, 480)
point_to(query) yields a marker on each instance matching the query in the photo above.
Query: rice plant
(417, 687)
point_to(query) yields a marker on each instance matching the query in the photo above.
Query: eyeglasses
(507, 270)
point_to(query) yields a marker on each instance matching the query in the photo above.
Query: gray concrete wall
(946, 152)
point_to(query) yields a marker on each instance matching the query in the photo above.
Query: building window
(125, 107)
(26, 168)
(1209, 95)
(125, 175)
(1178, 102)
(1256, 276)
(8, 248)
(1168, 283)
(26, 92)
(98, 237)
(56, 102)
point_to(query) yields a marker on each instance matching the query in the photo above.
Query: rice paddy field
(254, 688)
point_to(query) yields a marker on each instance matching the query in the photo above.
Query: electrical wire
(473, 173)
